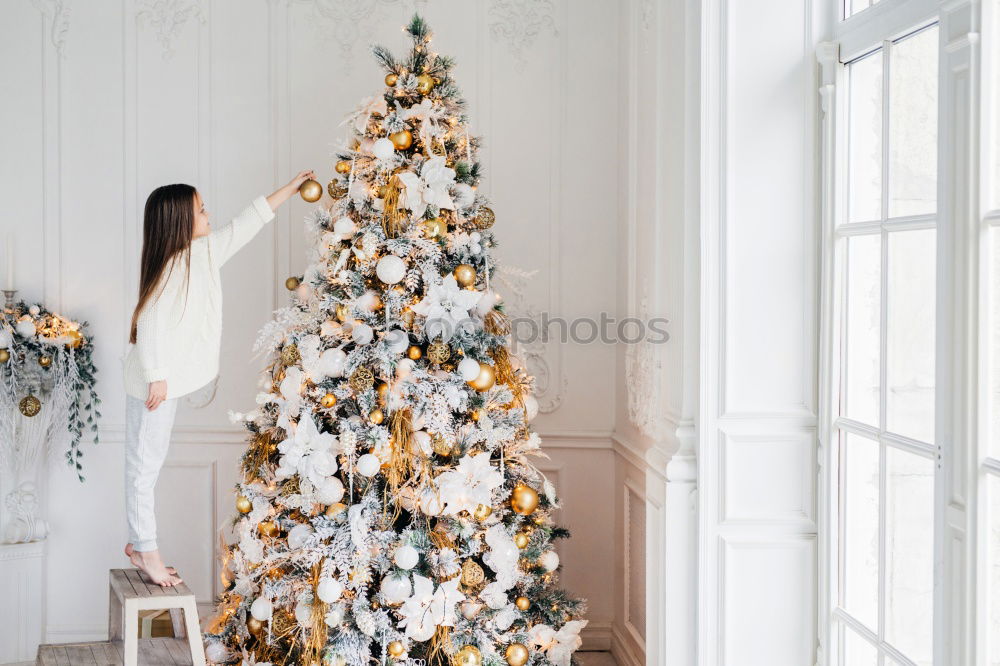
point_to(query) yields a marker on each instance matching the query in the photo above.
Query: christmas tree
(389, 511)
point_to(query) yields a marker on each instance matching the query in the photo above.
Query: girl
(175, 335)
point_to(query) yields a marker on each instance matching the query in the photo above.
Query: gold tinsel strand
(401, 449)
(497, 323)
(437, 654)
(258, 453)
(393, 217)
(506, 374)
(317, 633)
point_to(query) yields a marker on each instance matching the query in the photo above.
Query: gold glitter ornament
(243, 505)
(4, 355)
(522, 603)
(362, 379)
(45, 361)
(390, 79)
(267, 528)
(343, 166)
(328, 400)
(521, 540)
(336, 190)
(485, 219)
(413, 352)
(290, 354)
(30, 405)
(482, 512)
(425, 83)
(438, 352)
(435, 228)
(292, 283)
(401, 140)
(396, 649)
(376, 416)
(472, 574)
(465, 275)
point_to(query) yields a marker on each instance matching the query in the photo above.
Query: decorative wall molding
(519, 23)
(167, 18)
(57, 12)
(345, 23)
(643, 378)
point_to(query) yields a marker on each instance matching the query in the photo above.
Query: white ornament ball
(331, 492)
(217, 652)
(397, 340)
(396, 589)
(344, 227)
(383, 148)
(390, 269)
(475, 248)
(423, 440)
(464, 195)
(404, 367)
(406, 556)
(34, 310)
(549, 560)
(261, 609)
(25, 328)
(470, 609)
(362, 334)
(530, 407)
(368, 464)
(6, 339)
(332, 361)
(468, 368)
(297, 536)
(303, 613)
(329, 590)
(334, 617)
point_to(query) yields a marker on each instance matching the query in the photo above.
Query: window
(852, 7)
(883, 333)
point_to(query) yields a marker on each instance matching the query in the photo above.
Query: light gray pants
(147, 438)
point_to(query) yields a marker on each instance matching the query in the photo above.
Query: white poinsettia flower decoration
(368, 106)
(558, 646)
(502, 556)
(288, 398)
(309, 453)
(430, 115)
(430, 188)
(490, 435)
(446, 308)
(427, 608)
(444, 562)
(469, 484)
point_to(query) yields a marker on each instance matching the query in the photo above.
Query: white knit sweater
(179, 331)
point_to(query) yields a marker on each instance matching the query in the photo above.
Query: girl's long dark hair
(167, 229)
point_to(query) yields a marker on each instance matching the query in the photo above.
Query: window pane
(909, 553)
(860, 525)
(993, 571)
(864, 260)
(858, 651)
(994, 333)
(865, 132)
(910, 371)
(913, 124)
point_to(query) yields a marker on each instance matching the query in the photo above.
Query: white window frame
(960, 636)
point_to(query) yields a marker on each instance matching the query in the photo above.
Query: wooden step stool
(130, 593)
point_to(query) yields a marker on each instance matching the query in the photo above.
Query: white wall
(104, 100)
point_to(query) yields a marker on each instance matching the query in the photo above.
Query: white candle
(10, 261)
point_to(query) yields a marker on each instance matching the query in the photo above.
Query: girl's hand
(157, 394)
(288, 191)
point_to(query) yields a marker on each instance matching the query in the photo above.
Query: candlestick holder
(8, 295)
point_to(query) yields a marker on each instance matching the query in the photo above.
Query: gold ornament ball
(482, 512)
(267, 528)
(516, 654)
(4, 355)
(522, 603)
(45, 361)
(521, 540)
(336, 510)
(390, 79)
(254, 625)
(76, 338)
(382, 390)
(376, 416)
(438, 352)
(328, 400)
(485, 380)
(472, 574)
(292, 283)
(435, 228)
(407, 316)
(290, 354)
(396, 648)
(425, 83)
(243, 505)
(30, 405)
(475, 414)
(401, 140)
(362, 379)
(343, 166)
(485, 219)
(311, 190)
(343, 312)
(524, 500)
(335, 190)
(414, 352)
(465, 275)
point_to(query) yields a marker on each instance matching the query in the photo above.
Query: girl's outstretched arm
(283, 194)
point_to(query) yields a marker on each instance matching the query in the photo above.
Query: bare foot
(149, 561)
(133, 557)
